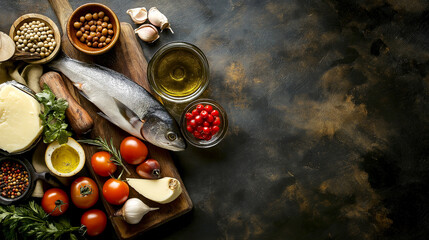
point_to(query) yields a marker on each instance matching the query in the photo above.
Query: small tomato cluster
(203, 122)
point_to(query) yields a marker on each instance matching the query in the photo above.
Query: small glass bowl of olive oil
(178, 72)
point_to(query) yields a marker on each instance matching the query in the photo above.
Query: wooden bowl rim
(57, 35)
(100, 50)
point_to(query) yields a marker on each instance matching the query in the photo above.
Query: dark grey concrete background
(328, 104)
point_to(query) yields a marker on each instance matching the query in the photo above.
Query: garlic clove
(138, 15)
(158, 19)
(133, 211)
(147, 33)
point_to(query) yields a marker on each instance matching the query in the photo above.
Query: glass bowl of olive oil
(178, 72)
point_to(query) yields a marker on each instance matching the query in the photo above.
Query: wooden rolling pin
(79, 118)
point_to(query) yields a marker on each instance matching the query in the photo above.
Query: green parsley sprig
(31, 222)
(53, 117)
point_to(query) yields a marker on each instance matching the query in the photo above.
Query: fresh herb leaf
(31, 222)
(104, 146)
(53, 116)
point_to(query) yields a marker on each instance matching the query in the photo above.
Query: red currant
(216, 121)
(189, 116)
(198, 119)
(208, 108)
(204, 114)
(215, 113)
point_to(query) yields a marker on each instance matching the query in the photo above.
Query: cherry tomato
(95, 221)
(189, 128)
(206, 130)
(204, 114)
(215, 129)
(206, 124)
(200, 128)
(102, 165)
(189, 116)
(208, 108)
(200, 107)
(195, 112)
(84, 192)
(149, 169)
(215, 113)
(55, 202)
(210, 118)
(115, 191)
(133, 150)
(193, 123)
(198, 119)
(216, 121)
(196, 134)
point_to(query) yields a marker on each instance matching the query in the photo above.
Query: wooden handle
(19, 55)
(79, 118)
(63, 10)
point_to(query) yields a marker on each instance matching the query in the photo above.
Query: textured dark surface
(328, 105)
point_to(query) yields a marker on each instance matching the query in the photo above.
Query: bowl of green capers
(36, 33)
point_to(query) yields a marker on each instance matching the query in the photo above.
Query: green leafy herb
(53, 117)
(104, 146)
(31, 222)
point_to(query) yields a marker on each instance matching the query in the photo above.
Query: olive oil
(179, 72)
(65, 159)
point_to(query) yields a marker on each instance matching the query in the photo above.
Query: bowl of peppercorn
(93, 28)
(18, 179)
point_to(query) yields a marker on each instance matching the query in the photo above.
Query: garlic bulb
(138, 15)
(133, 211)
(147, 33)
(158, 19)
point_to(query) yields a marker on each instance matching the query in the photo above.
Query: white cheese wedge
(162, 190)
(20, 124)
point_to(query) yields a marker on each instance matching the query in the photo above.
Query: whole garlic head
(158, 19)
(147, 33)
(138, 15)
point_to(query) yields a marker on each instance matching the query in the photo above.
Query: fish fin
(128, 114)
(78, 85)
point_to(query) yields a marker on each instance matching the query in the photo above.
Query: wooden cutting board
(127, 58)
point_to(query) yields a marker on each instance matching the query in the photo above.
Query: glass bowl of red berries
(204, 123)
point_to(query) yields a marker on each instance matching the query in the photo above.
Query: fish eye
(171, 136)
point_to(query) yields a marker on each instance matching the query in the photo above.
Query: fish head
(161, 129)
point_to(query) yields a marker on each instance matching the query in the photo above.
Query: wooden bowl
(38, 17)
(92, 8)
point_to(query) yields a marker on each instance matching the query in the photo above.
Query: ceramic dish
(82, 11)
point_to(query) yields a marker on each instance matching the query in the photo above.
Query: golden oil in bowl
(178, 72)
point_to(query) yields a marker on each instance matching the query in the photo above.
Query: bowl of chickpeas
(93, 28)
(36, 33)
